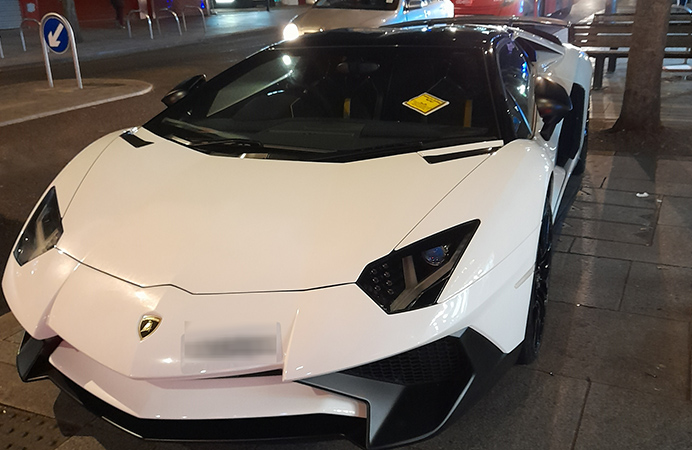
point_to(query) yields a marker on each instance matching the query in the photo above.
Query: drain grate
(20, 430)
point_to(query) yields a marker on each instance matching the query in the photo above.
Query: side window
(516, 77)
(413, 4)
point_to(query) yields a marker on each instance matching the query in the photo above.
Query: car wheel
(533, 335)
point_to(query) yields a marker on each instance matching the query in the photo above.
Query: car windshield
(336, 105)
(380, 5)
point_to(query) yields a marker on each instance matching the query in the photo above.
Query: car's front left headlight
(291, 31)
(42, 232)
(414, 276)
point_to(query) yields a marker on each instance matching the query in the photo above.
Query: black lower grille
(438, 361)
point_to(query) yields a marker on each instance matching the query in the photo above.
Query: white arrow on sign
(53, 36)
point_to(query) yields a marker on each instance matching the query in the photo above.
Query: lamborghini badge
(148, 325)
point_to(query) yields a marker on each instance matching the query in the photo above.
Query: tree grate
(21, 430)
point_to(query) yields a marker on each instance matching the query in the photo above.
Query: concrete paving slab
(8, 325)
(81, 443)
(608, 231)
(22, 430)
(70, 415)
(658, 187)
(589, 281)
(564, 243)
(676, 211)
(644, 217)
(639, 174)
(598, 166)
(27, 101)
(8, 352)
(16, 338)
(609, 197)
(100, 435)
(642, 353)
(616, 418)
(638, 167)
(671, 246)
(661, 291)
(527, 409)
(37, 397)
(677, 170)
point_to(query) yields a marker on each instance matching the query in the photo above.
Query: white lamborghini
(346, 233)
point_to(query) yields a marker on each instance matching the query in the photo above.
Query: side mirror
(183, 89)
(553, 104)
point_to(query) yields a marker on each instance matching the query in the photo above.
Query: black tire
(533, 336)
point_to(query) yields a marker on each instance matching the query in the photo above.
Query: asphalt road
(32, 153)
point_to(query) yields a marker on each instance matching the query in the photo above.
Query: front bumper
(408, 396)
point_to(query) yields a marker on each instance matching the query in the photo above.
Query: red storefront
(91, 13)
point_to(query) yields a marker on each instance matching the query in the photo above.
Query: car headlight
(291, 31)
(414, 276)
(42, 232)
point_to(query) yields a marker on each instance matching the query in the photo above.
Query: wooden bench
(610, 35)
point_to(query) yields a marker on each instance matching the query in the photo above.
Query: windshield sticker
(426, 104)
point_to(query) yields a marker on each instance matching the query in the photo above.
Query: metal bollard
(197, 8)
(175, 16)
(139, 11)
(21, 30)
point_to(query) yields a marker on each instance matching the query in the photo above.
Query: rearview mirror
(183, 89)
(553, 104)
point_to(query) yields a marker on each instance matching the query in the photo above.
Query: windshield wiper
(398, 148)
(198, 129)
(369, 152)
(228, 143)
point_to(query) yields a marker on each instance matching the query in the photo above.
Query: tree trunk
(641, 103)
(70, 13)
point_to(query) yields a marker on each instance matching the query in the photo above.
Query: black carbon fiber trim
(134, 140)
(437, 362)
(434, 159)
(428, 385)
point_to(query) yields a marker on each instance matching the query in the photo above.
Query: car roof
(419, 35)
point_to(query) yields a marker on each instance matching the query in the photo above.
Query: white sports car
(346, 233)
(331, 14)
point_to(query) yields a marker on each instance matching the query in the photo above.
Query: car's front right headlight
(291, 31)
(42, 231)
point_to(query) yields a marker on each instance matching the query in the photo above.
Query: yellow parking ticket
(426, 104)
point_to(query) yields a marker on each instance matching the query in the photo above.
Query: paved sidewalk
(615, 369)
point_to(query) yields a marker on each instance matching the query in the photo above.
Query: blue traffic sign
(55, 34)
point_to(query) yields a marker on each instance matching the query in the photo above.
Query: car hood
(322, 19)
(164, 214)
